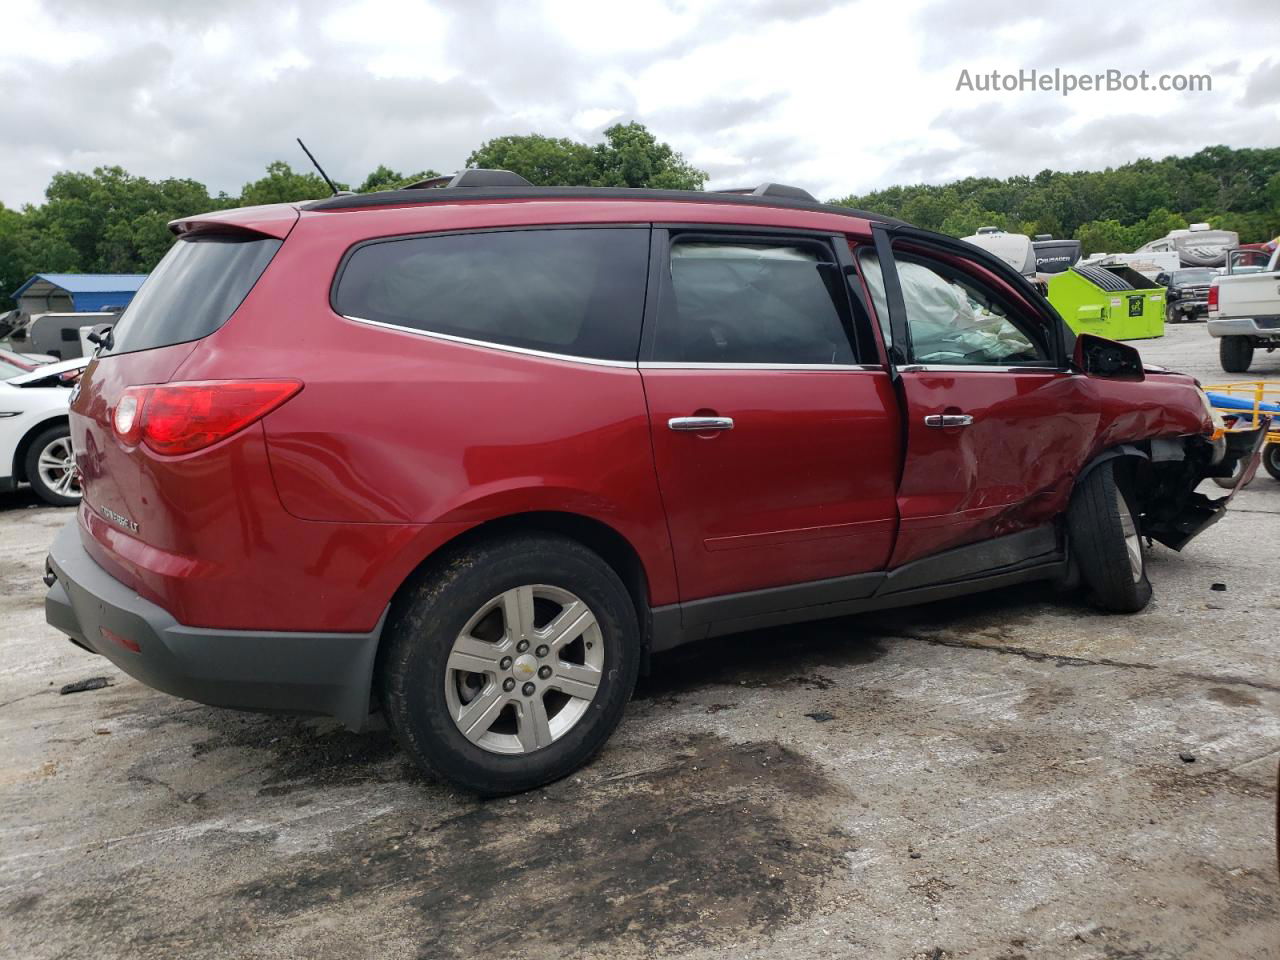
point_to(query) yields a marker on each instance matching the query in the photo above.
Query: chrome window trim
(505, 348)
(704, 365)
(977, 368)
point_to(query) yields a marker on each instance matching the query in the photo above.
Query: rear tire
(1106, 540)
(1235, 353)
(50, 468)
(475, 686)
(1271, 460)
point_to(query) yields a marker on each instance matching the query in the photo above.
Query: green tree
(384, 178)
(283, 185)
(1105, 236)
(543, 161)
(630, 156)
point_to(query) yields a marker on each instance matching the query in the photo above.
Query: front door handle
(943, 420)
(700, 424)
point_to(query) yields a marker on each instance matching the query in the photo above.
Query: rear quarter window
(192, 291)
(577, 292)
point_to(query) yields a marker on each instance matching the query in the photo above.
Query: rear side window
(578, 292)
(757, 303)
(192, 291)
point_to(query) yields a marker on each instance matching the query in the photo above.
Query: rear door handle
(942, 420)
(700, 424)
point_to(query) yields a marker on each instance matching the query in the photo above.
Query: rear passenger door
(774, 427)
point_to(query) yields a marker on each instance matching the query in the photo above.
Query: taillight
(177, 418)
(1213, 296)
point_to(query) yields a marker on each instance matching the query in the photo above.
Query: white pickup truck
(1244, 312)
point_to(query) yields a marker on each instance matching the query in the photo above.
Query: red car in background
(472, 454)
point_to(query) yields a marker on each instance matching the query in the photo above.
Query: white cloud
(838, 97)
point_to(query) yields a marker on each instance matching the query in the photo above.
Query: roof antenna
(315, 163)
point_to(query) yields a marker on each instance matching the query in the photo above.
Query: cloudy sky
(839, 97)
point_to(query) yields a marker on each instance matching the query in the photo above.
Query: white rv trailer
(1197, 246)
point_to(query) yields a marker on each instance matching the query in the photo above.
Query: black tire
(1271, 460)
(1096, 525)
(1235, 354)
(1170, 314)
(434, 609)
(1229, 483)
(59, 434)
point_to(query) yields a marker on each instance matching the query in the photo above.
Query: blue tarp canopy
(88, 291)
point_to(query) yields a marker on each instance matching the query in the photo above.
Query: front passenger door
(997, 427)
(775, 431)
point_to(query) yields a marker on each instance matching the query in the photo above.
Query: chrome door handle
(942, 420)
(700, 424)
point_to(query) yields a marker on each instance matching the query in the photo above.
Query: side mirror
(1162, 279)
(1107, 359)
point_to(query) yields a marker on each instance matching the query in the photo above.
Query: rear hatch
(192, 292)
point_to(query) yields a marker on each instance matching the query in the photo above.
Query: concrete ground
(1007, 776)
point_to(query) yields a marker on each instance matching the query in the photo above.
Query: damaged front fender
(1173, 512)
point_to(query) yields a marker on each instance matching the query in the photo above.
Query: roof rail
(772, 190)
(472, 177)
(396, 198)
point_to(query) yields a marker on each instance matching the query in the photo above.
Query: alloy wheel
(57, 467)
(525, 669)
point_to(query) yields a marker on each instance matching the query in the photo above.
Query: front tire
(1107, 542)
(50, 467)
(1235, 354)
(508, 664)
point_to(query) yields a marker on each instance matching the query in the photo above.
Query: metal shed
(77, 292)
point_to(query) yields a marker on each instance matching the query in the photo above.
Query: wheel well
(20, 452)
(612, 546)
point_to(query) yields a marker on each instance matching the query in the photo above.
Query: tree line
(110, 221)
(1112, 211)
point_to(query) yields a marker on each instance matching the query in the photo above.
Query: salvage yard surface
(1005, 776)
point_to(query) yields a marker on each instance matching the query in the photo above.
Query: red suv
(470, 454)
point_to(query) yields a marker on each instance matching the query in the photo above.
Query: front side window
(578, 292)
(757, 303)
(951, 318)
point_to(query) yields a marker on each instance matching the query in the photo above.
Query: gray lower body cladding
(329, 674)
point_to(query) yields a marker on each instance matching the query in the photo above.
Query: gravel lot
(997, 777)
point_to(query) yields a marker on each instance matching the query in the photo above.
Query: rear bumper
(1266, 327)
(315, 673)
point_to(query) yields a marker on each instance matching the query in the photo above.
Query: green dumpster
(1112, 301)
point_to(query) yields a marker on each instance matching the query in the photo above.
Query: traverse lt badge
(118, 520)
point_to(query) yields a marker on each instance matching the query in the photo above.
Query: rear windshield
(192, 291)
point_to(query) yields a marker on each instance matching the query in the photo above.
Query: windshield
(1193, 276)
(8, 370)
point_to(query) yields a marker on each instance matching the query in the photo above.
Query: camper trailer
(58, 334)
(1197, 246)
(1013, 248)
(1054, 256)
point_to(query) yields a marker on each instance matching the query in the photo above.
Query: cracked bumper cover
(328, 674)
(1176, 521)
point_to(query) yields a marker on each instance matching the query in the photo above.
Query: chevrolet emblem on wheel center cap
(525, 666)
